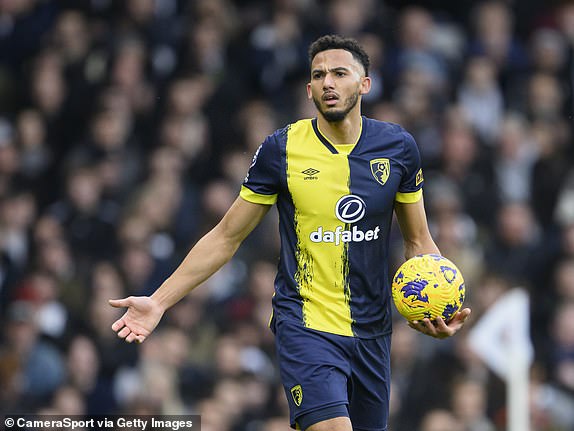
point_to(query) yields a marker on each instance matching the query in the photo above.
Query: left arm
(418, 240)
(413, 223)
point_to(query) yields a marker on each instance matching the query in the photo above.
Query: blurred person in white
(440, 420)
(469, 405)
(514, 159)
(481, 98)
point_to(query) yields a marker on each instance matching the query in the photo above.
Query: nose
(328, 82)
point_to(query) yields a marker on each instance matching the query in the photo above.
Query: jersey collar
(327, 143)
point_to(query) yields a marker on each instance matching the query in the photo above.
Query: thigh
(314, 368)
(370, 384)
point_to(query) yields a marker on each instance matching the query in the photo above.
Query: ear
(309, 94)
(365, 85)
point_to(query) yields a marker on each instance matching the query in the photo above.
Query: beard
(335, 116)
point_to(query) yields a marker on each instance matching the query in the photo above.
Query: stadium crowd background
(126, 128)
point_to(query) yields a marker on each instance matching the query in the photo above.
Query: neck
(342, 132)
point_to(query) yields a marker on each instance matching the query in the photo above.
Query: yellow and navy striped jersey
(335, 207)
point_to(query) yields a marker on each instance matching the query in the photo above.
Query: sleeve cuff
(256, 198)
(409, 198)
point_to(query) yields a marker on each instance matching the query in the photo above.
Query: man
(336, 180)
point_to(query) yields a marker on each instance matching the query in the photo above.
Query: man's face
(337, 81)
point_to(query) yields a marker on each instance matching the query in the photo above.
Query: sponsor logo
(349, 209)
(339, 235)
(419, 178)
(297, 394)
(310, 174)
(381, 169)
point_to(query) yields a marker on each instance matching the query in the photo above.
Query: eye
(340, 74)
(317, 75)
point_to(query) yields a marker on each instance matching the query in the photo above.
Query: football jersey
(335, 206)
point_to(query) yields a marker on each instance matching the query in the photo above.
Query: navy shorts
(326, 375)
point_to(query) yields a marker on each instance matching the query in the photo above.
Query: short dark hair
(333, 41)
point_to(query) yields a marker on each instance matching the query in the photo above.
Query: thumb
(119, 303)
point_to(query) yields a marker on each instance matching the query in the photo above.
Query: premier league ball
(428, 285)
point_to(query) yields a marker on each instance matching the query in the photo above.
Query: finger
(118, 324)
(140, 338)
(416, 325)
(124, 332)
(131, 337)
(429, 326)
(118, 303)
(441, 325)
(465, 313)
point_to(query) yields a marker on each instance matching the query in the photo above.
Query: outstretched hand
(142, 316)
(439, 328)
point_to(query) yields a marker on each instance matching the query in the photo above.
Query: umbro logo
(310, 174)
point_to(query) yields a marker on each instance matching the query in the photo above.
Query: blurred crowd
(126, 129)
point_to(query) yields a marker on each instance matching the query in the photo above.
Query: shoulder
(282, 132)
(385, 127)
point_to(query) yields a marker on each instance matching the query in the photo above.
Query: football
(428, 285)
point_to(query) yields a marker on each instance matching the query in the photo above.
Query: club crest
(297, 394)
(381, 168)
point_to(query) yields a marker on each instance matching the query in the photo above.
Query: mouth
(330, 99)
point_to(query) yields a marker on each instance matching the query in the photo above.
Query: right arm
(210, 253)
